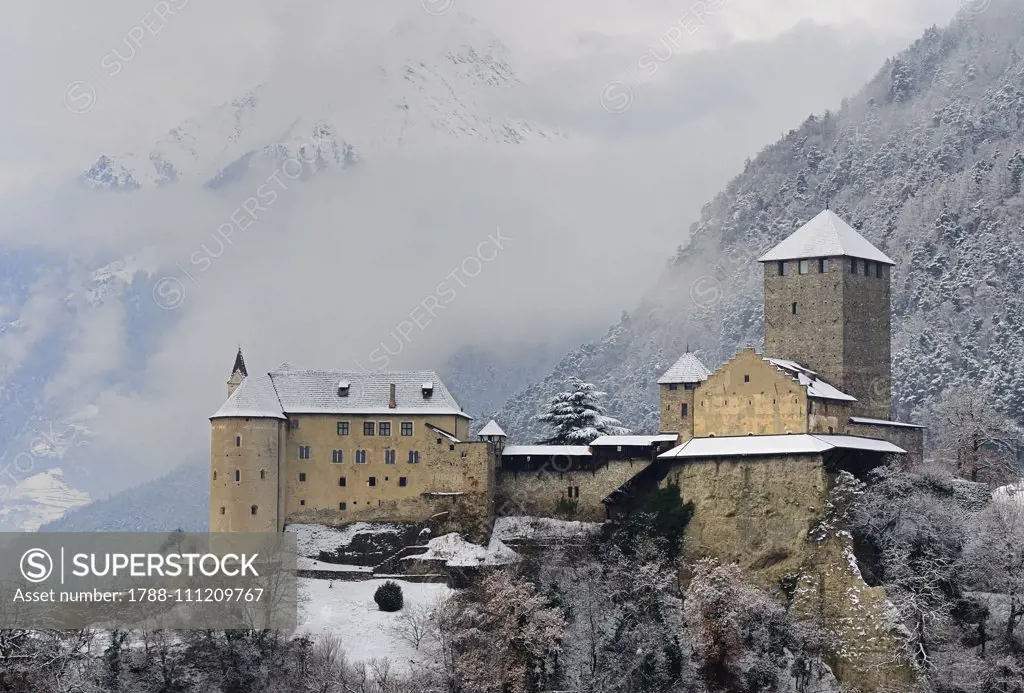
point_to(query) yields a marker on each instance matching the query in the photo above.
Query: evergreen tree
(576, 417)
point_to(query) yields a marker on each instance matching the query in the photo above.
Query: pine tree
(576, 417)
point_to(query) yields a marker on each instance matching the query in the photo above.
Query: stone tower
(677, 387)
(827, 307)
(247, 445)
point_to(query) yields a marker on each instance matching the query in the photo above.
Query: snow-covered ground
(312, 539)
(348, 611)
(39, 499)
(456, 551)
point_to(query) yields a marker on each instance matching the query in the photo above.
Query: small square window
(384, 428)
(343, 428)
(372, 481)
(294, 423)
(402, 481)
(804, 266)
(302, 502)
(783, 269)
(341, 505)
(368, 428)
(689, 386)
(302, 476)
(672, 386)
(407, 428)
(746, 378)
(342, 482)
(823, 266)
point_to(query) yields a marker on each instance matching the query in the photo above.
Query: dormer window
(343, 388)
(428, 389)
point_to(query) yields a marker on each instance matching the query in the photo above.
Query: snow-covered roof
(882, 422)
(826, 235)
(255, 397)
(491, 429)
(644, 441)
(688, 369)
(798, 444)
(816, 387)
(546, 450)
(443, 433)
(311, 391)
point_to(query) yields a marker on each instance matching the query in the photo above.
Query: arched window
(238, 475)
(263, 474)
(253, 510)
(238, 441)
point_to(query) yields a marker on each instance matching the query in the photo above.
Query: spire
(240, 364)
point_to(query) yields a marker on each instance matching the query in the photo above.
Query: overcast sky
(643, 110)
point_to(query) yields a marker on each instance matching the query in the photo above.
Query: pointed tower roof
(240, 364)
(491, 429)
(826, 235)
(688, 369)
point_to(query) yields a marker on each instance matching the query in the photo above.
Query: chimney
(392, 404)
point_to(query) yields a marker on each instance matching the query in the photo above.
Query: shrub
(389, 596)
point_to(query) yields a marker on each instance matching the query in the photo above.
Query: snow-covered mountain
(403, 92)
(928, 162)
(37, 500)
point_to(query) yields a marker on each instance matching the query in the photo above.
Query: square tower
(678, 386)
(827, 307)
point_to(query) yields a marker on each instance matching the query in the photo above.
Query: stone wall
(539, 493)
(910, 439)
(828, 416)
(671, 410)
(867, 340)
(748, 395)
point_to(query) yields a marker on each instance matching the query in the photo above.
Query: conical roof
(826, 235)
(491, 429)
(239, 364)
(688, 369)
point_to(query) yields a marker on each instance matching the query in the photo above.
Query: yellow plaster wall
(748, 395)
(259, 451)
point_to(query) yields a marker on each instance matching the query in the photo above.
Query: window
(783, 269)
(414, 457)
(238, 475)
(878, 270)
(343, 428)
(823, 266)
(672, 386)
(263, 474)
(342, 482)
(372, 481)
(804, 267)
(810, 406)
(830, 430)
(341, 505)
(384, 428)
(853, 265)
(360, 456)
(302, 502)
(215, 476)
(304, 452)
(302, 476)
(238, 441)
(389, 457)
(222, 510)
(746, 378)
(867, 268)
(368, 428)
(685, 410)
(294, 423)
(337, 456)
(794, 308)
(407, 428)
(402, 481)
(689, 386)
(253, 510)
(573, 492)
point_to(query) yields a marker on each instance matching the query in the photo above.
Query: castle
(336, 447)
(756, 445)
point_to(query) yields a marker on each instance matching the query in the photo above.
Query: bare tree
(414, 624)
(978, 439)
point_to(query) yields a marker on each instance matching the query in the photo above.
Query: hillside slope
(928, 162)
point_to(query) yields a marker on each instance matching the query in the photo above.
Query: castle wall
(456, 478)
(251, 447)
(671, 410)
(828, 416)
(756, 512)
(910, 439)
(748, 395)
(868, 345)
(539, 493)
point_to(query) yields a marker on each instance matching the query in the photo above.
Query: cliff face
(927, 161)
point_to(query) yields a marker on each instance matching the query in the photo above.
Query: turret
(678, 386)
(493, 434)
(238, 373)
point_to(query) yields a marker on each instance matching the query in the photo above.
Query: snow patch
(312, 539)
(39, 499)
(456, 551)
